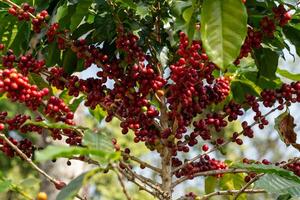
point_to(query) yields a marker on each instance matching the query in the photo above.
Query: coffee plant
(175, 74)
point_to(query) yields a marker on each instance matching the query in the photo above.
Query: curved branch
(232, 192)
(209, 173)
(247, 185)
(22, 155)
(133, 158)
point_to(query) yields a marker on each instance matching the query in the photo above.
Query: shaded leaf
(284, 197)
(69, 61)
(266, 61)
(53, 54)
(241, 87)
(223, 30)
(81, 11)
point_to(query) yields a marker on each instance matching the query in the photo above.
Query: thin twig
(22, 155)
(143, 179)
(133, 158)
(247, 185)
(123, 186)
(132, 179)
(231, 192)
(209, 173)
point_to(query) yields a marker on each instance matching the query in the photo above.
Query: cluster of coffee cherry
(205, 163)
(25, 12)
(18, 88)
(22, 13)
(58, 110)
(267, 28)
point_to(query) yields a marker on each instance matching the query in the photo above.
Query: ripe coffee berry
(205, 147)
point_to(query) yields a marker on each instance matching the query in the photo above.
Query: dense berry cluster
(22, 13)
(282, 15)
(204, 164)
(28, 64)
(294, 167)
(52, 32)
(38, 21)
(253, 40)
(25, 13)
(267, 28)
(58, 110)
(19, 89)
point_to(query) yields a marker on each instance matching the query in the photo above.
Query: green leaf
(81, 11)
(49, 125)
(5, 185)
(241, 87)
(266, 61)
(69, 61)
(98, 140)
(233, 182)
(70, 191)
(287, 74)
(76, 102)
(284, 197)
(98, 113)
(127, 4)
(21, 40)
(261, 168)
(53, 54)
(52, 152)
(142, 10)
(223, 30)
(276, 184)
(210, 184)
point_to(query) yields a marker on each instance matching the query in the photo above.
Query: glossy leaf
(223, 30)
(261, 168)
(276, 184)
